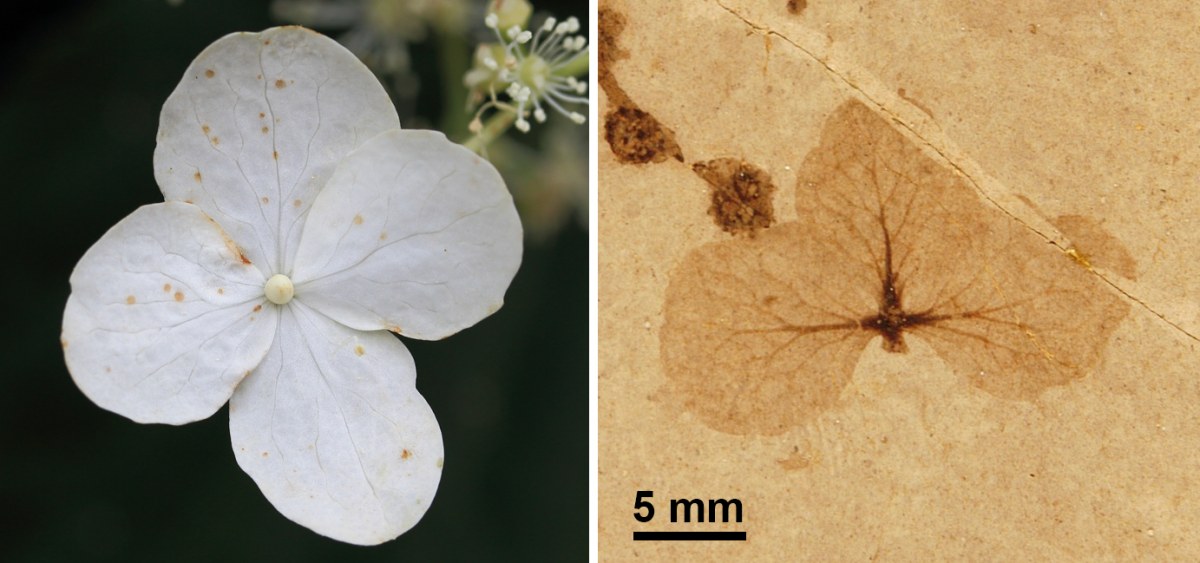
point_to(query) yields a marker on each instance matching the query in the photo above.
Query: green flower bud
(510, 12)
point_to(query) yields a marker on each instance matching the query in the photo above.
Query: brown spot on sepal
(130, 300)
(795, 7)
(197, 176)
(257, 308)
(179, 296)
(405, 454)
(237, 252)
(636, 137)
(279, 83)
(209, 73)
(762, 333)
(740, 197)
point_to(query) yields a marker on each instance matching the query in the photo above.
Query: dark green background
(80, 92)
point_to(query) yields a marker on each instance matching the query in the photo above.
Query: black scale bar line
(689, 536)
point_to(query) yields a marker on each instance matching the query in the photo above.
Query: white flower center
(279, 289)
(534, 71)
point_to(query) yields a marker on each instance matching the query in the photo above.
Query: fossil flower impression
(763, 332)
(300, 224)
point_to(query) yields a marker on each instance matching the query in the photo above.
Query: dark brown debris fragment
(741, 195)
(636, 137)
(794, 7)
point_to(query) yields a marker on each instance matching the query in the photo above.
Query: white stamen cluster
(530, 73)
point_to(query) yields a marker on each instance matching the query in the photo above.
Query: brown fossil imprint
(763, 332)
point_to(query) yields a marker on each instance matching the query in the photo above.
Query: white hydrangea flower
(299, 225)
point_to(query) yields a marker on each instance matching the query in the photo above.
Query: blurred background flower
(550, 193)
(482, 47)
(380, 31)
(81, 86)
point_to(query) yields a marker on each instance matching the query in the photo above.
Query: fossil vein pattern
(763, 332)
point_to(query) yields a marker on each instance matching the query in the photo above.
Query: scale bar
(689, 536)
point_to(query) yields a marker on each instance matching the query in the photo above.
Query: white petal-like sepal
(165, 317)
(332, 429)
(413, 234)
(256, 127)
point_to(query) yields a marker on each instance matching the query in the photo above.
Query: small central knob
(279, 289)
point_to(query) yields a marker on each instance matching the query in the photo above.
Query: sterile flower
(299, 225)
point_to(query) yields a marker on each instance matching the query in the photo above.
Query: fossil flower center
(279, 289)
